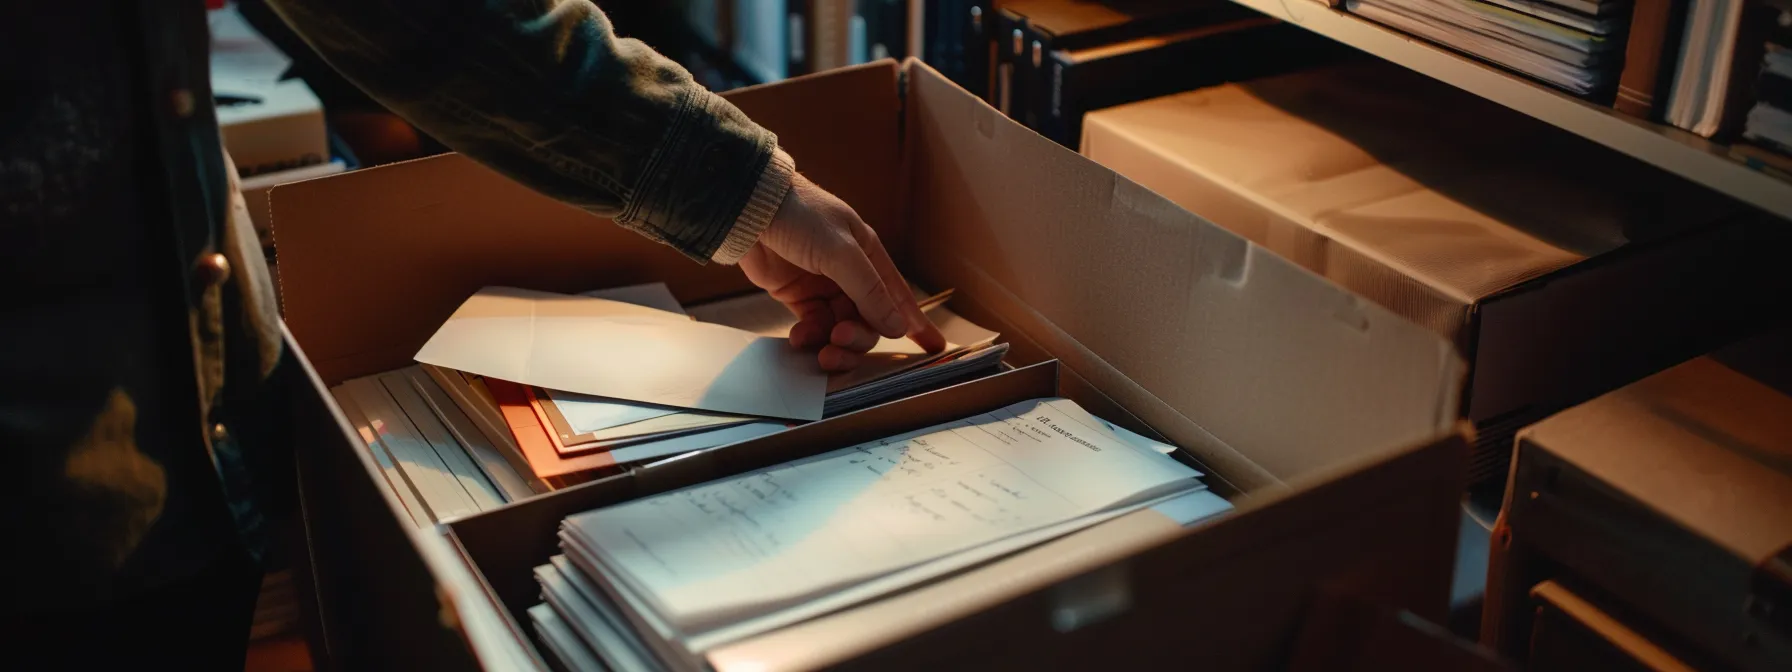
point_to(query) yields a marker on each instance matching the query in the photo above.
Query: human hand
(828, 267)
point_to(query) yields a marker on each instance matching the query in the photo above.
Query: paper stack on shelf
(1768, 127)
(523, 392)
(657, 582)
(1576, 45)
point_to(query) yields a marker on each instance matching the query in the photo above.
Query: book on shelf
(1651, 50)
(956, 40)
(1722, 46)
(819, 34)
(1028, 30)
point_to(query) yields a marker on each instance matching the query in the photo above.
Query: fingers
(805, 288)
(915, 324)
(811, 333)
(835, 358)
(852, 270)
(816, 232)
(853, 335)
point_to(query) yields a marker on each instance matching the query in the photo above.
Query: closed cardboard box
(1666, 503)
(1330, 421)
(280, 128)
(1558, 268)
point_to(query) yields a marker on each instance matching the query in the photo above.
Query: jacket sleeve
(544, 92)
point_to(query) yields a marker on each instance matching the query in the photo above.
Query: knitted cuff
(767, 197)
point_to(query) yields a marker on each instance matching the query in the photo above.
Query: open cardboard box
(1330, 421)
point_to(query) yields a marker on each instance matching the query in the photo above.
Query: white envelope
(614, 349)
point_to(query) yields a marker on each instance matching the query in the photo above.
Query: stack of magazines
(672, 580)
(456, 440)
(1576, 45)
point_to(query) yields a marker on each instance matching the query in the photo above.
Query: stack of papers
(657, 582)
(521, 392)
(1769, 122)
(1575, 45)
(893, 368)
(434, 457)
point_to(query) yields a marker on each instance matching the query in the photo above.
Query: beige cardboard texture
(1704, 445)
(1669, 499)
(1560, 269)
(1209, 330)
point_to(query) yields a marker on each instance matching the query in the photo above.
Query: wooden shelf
(1671, 149)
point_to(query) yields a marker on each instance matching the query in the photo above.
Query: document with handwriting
(725, 551)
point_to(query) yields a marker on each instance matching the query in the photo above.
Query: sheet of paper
(744, 545)
(595, 632)
(585, 414)
(626, 352)
(633, 652)
(684, 443)
(1193, 507)
(654, 295)
(667, 425)
(911, 576)
(757, 312)
(561, 641)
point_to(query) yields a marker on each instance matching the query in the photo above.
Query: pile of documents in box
(522, 392)
(658, 582)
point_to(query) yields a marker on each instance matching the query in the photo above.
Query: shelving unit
(1671, 149)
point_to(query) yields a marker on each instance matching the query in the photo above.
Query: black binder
(1009, 41)
(1028, 30)
(886, 28)
(1235, 47)
(956, 42)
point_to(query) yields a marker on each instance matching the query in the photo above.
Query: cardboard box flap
(1408, 173)
(1210, 331)
(393, 250)
(1702, 444)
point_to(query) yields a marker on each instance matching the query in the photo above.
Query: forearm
(544, 92)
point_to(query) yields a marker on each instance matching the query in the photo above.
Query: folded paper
(628, 352)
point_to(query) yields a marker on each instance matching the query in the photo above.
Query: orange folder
(539, 446)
